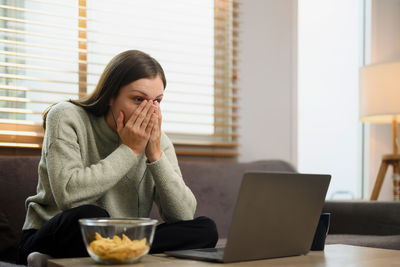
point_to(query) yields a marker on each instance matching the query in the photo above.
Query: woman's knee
(206, 222)
(209, 227)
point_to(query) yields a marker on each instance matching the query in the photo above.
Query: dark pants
(61, 236)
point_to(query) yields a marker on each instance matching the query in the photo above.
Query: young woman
(105, 155)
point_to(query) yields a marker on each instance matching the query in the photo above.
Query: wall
(267, 80)
(385, 46)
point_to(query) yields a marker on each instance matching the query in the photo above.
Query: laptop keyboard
(209, 254)
(208, 250)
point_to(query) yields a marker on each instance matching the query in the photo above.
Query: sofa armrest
(363, 217)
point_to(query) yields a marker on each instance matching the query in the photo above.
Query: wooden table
(334, 255)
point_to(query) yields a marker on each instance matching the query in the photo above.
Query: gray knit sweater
(84, 162)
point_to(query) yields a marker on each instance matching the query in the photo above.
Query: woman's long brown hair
(123, 69)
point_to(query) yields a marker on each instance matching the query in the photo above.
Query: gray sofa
(364, 223)
(215, 185)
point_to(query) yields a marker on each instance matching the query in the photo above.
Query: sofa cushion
(373, 241)
(8, 239)
(364, 217)
(18, 180)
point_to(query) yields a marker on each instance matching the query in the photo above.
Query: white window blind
(56, 50)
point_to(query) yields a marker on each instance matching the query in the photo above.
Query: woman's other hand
(137, 129)
(153, 148)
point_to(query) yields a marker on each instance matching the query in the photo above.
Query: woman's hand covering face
(153, 148)
(138, 127)
(138, 121)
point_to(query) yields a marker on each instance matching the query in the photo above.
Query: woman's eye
(138, 99)
(158, 100)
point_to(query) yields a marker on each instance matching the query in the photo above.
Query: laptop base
(203, 254)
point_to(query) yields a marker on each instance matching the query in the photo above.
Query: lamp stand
(390, 159)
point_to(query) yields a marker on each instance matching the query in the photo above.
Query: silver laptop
(276, 215)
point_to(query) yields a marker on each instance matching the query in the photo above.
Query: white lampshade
(380, 93)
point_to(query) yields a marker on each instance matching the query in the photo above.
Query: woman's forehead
(148, 87)
(138, 91)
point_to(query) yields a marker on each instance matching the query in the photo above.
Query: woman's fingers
(120, 122)
(134, 116)
(159, 115)
(148, 115)
(152, 124)
(153, 148)
(143, 116)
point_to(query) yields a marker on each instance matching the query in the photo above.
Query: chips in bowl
(111, 241)
(117, 248)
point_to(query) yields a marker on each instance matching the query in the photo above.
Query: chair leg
(379, 180)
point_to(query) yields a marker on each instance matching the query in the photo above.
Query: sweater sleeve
(72, 180)
(73, 184)
(174, 199)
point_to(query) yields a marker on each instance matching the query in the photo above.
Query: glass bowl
(117, 240)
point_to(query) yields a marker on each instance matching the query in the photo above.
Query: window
(55, 50)
(329, 130)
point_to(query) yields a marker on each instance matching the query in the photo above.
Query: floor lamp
(380, 103)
